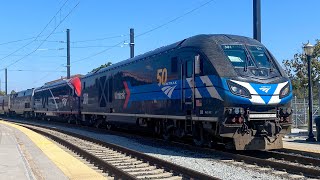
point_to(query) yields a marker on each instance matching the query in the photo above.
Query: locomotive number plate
(256, 116)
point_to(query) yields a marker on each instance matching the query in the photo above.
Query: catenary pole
(257, 20)
(131, 42)
(68, 54)
(6, 80)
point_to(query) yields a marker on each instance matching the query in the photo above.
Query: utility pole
(68, 54)
(6, 79)
(131, 42)
(257, 20)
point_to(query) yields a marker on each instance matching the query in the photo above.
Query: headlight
(238, 89)
(284, 91)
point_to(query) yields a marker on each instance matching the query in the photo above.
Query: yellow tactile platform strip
(69, 165)
(314, 148)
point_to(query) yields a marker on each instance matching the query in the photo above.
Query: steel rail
(297, 158)
(92, 158)
(298, 152)
(171, 167)
(242, 158)
(276, 165)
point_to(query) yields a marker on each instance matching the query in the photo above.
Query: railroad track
(293, 158)
(298, 153)
(300, 165)
(281, 160)
(117, 161)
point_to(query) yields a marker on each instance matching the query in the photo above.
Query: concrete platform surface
(297, 140)
(25, 154)
(21, 159)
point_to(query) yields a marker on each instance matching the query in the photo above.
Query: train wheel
(212, 143)
(76, 121)
(167, 132)
(109, 126)
(157, 128)
(198, 134)
(98, 123)
(69, 120)
(166, 135)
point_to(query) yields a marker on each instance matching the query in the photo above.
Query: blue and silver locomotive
(216, 88)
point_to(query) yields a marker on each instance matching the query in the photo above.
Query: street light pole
(308, 50)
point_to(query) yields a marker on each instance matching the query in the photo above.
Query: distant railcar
(216, 88)
(4, 105)
(60, 99)
(21, 103)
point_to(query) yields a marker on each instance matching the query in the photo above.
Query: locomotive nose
(258, 94)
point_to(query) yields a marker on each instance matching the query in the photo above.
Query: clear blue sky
(286, 25)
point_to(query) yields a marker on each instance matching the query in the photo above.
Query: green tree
(13, 92)
(297, 70)
(102, 66)
(2, 93)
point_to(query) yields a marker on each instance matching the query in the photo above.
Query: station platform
(296, 140)
(25, 154)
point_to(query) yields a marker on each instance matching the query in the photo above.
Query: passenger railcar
(21, 103)
(4, 105)
(216, 88)
(58, 100)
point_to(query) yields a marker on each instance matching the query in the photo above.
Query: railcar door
(190, 69)
(187, 83)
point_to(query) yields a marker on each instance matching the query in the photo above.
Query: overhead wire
(146, 32)
(45, 38)
(19, 40)
(51, 56)
(49, 73)
(26, 70)
(95, 46)
(175, 19)
(99, 39)
(53, 41)
(139, 35)
(98, 53)
(38, 34)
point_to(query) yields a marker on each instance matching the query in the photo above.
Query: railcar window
(174, 64)
(237, 55)
(260, 56)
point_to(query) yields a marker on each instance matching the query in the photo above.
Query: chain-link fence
(300, 109)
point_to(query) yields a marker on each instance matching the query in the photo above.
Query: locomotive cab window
(237, 55)
(260, 56)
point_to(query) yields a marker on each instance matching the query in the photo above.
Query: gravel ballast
(210, 164)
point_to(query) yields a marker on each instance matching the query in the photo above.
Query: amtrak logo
(169, 87)
(168, 90)
(265, 88)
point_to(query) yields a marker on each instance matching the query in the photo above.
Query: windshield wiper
(245, 65)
